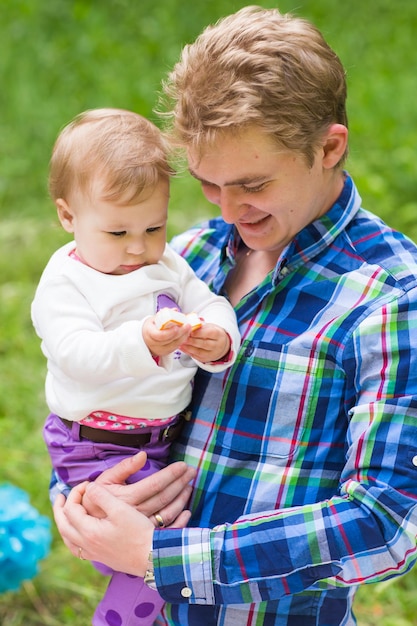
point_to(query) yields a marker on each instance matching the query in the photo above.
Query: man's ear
(65, 215)
(334, 146)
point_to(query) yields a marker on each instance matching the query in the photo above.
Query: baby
(123, 320)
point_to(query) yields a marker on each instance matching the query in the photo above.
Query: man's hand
(166, 492)
(113, 522)
(121, 538)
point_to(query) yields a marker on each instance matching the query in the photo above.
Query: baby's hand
(162, 339)
(165, 318)
(207, 344)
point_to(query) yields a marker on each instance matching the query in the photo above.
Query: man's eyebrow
(246, 180)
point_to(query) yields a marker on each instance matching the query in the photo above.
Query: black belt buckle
(173, 431)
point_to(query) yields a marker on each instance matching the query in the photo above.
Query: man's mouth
(253, 226)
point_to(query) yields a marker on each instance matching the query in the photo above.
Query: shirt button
(186, 592)
(414, 460)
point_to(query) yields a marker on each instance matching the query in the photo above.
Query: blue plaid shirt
(306, 449)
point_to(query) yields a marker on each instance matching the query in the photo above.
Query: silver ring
(159, 520)
(80, 554)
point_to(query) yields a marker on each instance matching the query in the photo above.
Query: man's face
(269, 193)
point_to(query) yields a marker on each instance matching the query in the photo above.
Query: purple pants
(127, 601)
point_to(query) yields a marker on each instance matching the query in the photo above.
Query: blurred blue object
(25, 538)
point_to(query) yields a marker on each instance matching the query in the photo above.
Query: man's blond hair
(257, 67)
(125, 149)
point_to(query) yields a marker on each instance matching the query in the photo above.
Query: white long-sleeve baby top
(90, 325)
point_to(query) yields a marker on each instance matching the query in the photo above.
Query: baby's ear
(65, 215)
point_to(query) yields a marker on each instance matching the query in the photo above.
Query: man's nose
(229, 205)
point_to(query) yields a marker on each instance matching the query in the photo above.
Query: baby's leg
(128, 601)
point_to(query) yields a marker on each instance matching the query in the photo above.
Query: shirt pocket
(268, 400)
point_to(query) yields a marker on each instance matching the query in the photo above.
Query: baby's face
(118, 238)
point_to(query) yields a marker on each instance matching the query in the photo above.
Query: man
(306, 451)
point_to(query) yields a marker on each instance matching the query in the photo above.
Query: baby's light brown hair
(125, 149)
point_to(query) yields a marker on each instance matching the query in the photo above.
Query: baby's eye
(153, 229)
(118, 233)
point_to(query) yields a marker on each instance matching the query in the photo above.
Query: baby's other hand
(207, 344)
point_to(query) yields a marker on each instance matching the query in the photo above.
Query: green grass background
(58, 58)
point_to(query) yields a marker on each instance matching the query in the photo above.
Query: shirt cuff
(182, 565)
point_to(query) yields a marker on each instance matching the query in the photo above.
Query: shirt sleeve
(74, 339)
(365, 533)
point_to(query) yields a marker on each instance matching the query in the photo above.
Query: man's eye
(118, 233)
(253, 189)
